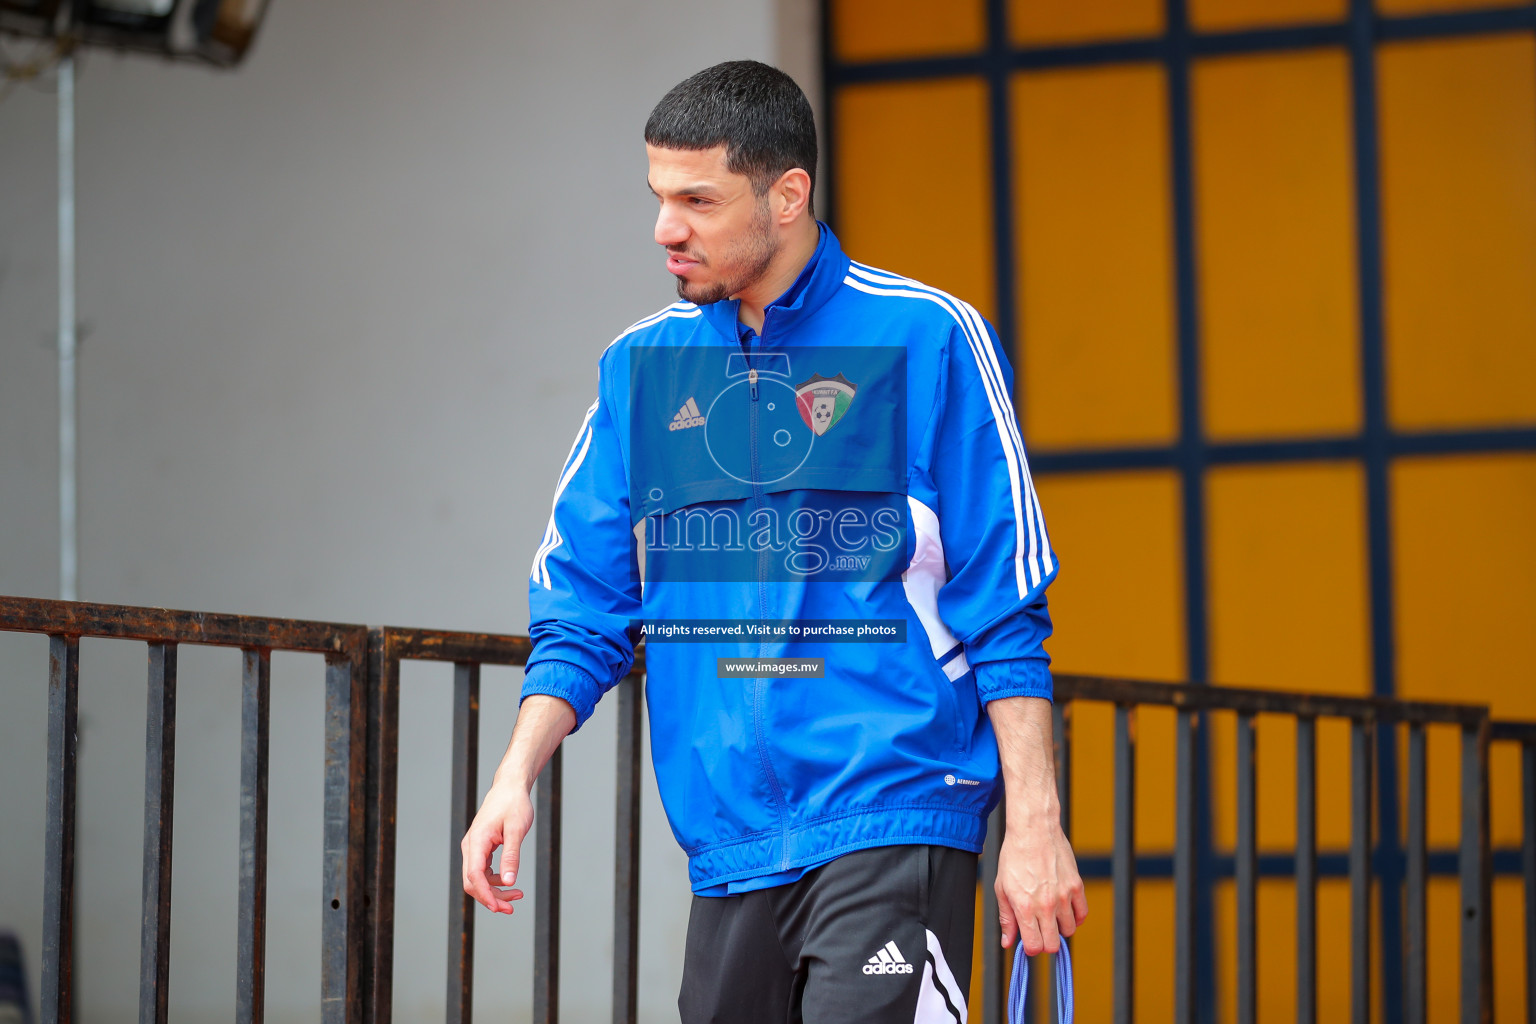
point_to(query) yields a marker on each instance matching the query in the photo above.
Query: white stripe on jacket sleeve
(1029, 561)
(552, 538)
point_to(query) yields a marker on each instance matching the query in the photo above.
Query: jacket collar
(818, 281)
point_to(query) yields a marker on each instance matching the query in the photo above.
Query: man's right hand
(503, 820)
(506, 813)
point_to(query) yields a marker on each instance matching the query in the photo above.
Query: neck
(799, 246)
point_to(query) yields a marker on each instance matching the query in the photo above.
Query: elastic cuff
(571, 683)
(1026, 677)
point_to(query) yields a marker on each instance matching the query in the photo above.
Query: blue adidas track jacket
(859, 462)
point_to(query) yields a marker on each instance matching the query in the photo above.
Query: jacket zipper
(760, 686)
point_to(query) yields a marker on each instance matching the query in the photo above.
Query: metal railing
(362, 693)
(345, 648)
(1524, 734)
(387, 647)
(1365, 717)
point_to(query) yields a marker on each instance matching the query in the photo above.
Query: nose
(670, 228)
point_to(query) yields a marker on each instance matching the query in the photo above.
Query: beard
(741, 266)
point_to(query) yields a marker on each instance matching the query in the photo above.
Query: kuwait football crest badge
(823, 400)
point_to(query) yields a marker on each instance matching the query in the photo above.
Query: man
(803, 451)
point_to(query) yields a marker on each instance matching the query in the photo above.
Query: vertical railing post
(546, 904)
(1475, 868)
(462, 798)
(626, 854)
(159, 801)
(1361, 732)
(1184, 972)
(343, 915)
(382, 783)
(994, 966)
(1123, 867)
(57, 995)
(1247, 871)
(251, 944)
(1415, 949)
(1306, 870)
(1528, 869)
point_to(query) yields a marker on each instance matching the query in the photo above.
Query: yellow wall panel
(1464, 564)
(1156, 751)
(914, 190)
(1464, 553)
(1118, 605)
(1458, 149)
(1276, 936)
(1225, 15)
(877, 29)
(1118, 609)
(1289, 609)
(1442, 985)
(1505, 825)
(1092, 726)
(1509, 980)
(1154, 952)
(1289, 587)
(1095, 278)
(1276, 258)
(1093, 958)
(1038, 22)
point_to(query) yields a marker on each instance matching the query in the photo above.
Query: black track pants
(878, 936)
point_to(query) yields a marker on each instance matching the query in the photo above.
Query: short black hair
(755, 110)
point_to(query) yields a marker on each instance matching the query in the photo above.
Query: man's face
(719, 236)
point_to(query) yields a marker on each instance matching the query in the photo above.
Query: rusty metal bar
(165, 625)
(1247, 864)
(546, 903)
(342, 914)
(462, 797)
(251, 945)
(159, 800)
(1123, 864)
(1475, 869)
(382, 788)
(626, 854)
(1360, 734)
(1306, 870)
(1232, 698)
(993, 966)
(449, 646)
(1415, 990)
(1184, 953)
(1528, 869)
(57, 997)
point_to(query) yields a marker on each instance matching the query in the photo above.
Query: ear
(791, 195)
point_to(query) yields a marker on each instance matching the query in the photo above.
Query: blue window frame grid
(1374, 446)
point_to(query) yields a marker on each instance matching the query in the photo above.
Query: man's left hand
(1039, 892)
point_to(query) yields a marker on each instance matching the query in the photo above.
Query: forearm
(542, 722)
(1025, 749)
(1039, 891)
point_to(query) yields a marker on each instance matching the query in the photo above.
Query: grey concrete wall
(340, 315)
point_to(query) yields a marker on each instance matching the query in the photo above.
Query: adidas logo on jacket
(687, 416)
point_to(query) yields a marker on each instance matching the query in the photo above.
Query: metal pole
(68, 553)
